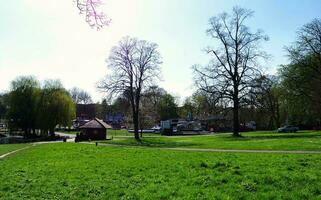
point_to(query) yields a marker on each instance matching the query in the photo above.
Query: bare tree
(94, 17)
(265, 96)
(134, 64)
(307, 49)
(308, 43)
(80, 96)
(235, 60)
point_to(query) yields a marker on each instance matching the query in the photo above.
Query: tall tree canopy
(23, 104)
(3, 105)
(234, 64)
(134, 65)
(31, 107)
(167, 107)
(56, 107)
(302, 78)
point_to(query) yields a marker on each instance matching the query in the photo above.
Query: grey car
(288, 129)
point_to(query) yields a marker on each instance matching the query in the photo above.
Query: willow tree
(234, 62)
(23, 103)
(134, 65)
(55, 107)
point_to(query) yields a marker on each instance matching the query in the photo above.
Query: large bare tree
(134, 65)
(235, 59)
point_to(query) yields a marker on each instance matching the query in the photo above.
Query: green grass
(82, 171)
(6, 148)
(305, 140)
(123, 132)
(113, 133)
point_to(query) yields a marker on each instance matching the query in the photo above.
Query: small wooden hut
(95, 129)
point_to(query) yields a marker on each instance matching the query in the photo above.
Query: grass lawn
(82, 171)
(6, 148)
(114, 133)
(124, 132)
(304, 140)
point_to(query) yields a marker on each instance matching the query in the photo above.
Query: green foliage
(167, 107)
(200, 105)
(187, 110)
(3, 105)
(22, 103)
(102, 109)
(302, 78)
(81, 171)
(32, 107)
(302, 93)
(56, 101)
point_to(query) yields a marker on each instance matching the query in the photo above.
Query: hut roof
(95, 123)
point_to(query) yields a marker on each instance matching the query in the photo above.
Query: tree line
(36, 109)
(232, 83)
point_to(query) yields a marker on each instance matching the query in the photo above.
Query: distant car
(156, 129)
(288, 129)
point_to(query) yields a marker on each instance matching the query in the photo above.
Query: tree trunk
(52, 132)
(135, 120)
(236, 123)
(277, 115)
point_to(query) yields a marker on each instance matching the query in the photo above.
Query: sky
(50, 40)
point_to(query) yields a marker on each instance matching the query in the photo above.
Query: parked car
(288, 129)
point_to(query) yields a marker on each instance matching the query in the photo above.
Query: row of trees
(30, 106)
(232, 82)
(155, 105)
(135, 64)
(301, 79)
(234, 76)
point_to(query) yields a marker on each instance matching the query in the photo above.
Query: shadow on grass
(153, 142)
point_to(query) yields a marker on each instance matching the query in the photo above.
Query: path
(71, 137)
(178, 149)
(15, 151)
(172, 136)
(214, 150)
(27, 147)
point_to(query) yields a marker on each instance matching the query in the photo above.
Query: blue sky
(49, 39)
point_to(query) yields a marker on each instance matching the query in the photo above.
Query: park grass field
(114, 133)
(303, 140)
(84, 171)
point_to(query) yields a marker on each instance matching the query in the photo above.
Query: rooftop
(95, 123)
